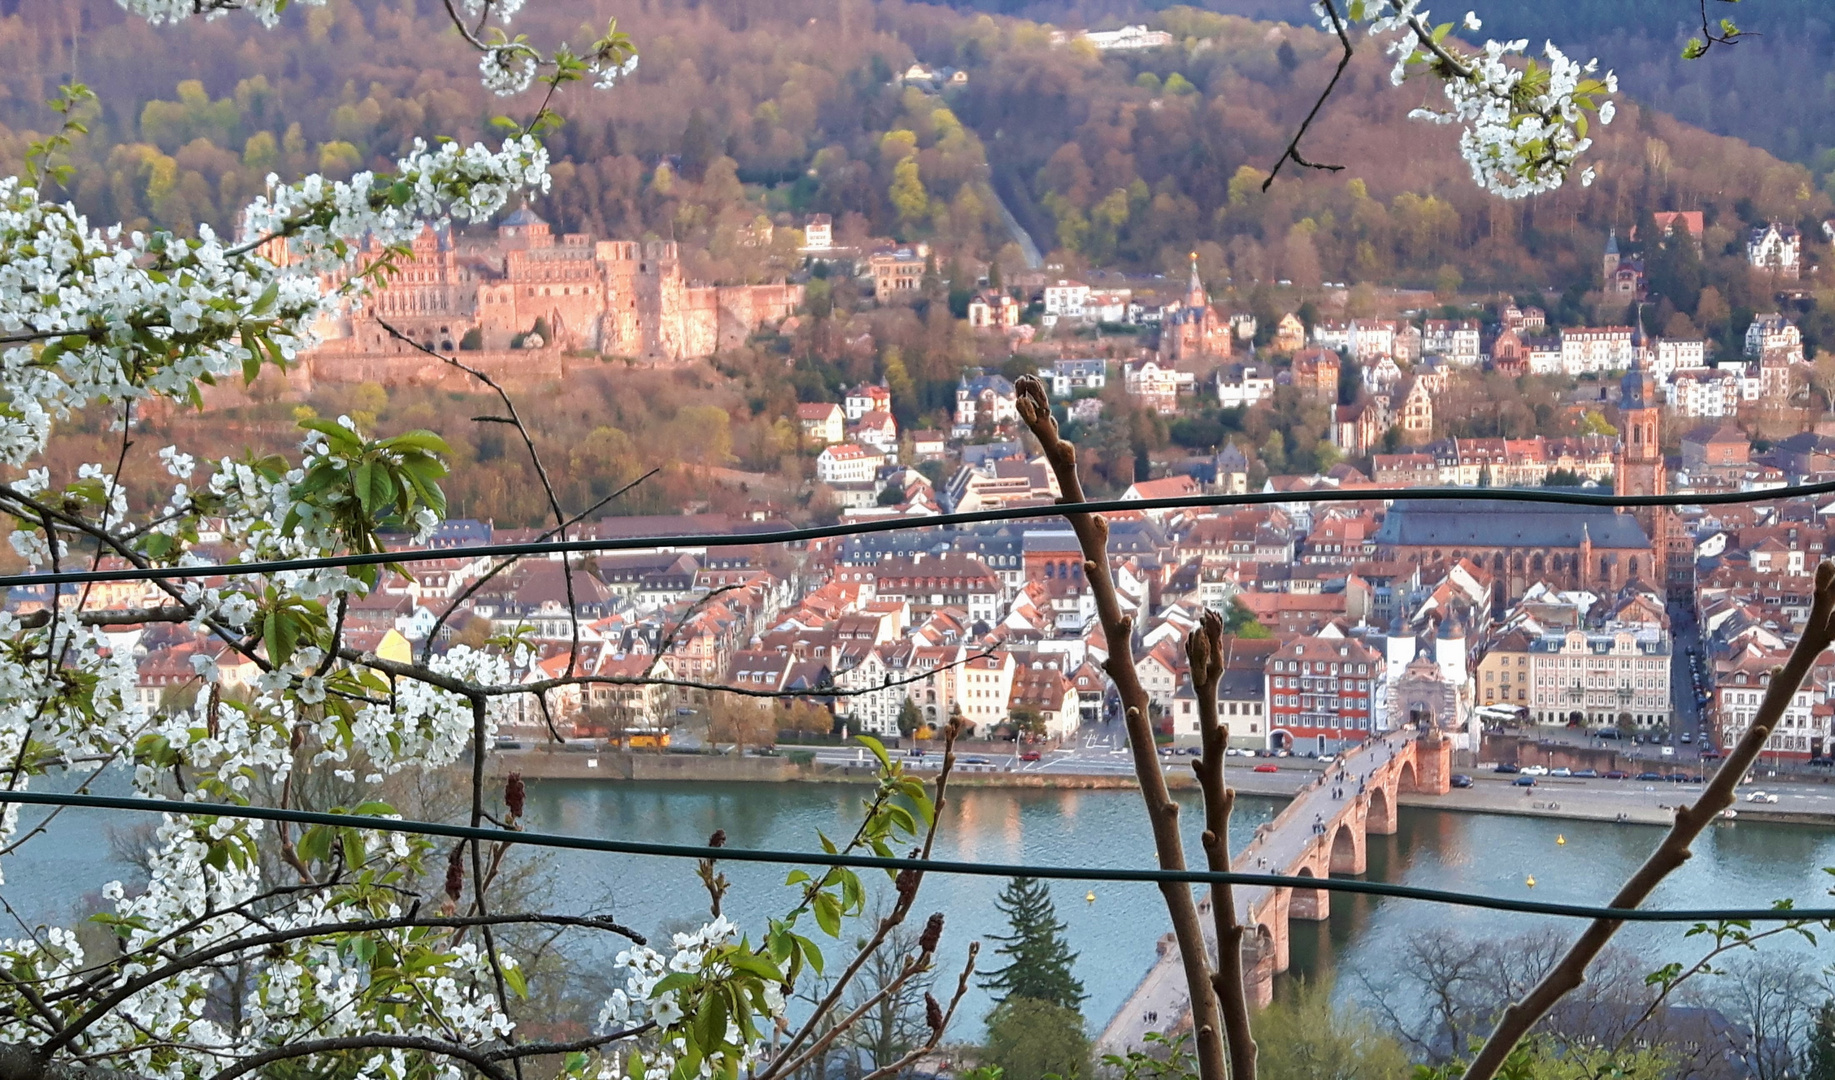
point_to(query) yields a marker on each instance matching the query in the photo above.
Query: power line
(979, 517)
(935, 866)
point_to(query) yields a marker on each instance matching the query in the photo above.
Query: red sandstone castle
(522, 289)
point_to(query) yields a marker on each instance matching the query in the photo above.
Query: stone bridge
(1322, 832)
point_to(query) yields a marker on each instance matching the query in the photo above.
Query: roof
(1490, 523)
(820, 410)
(522, 215)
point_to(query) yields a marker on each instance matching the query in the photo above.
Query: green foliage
(1243, 623)
(1032, 1040)
(1540, 1058)
(1039, 961)
(1303, 1036)
(1819, 1055)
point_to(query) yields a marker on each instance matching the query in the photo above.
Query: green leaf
(513, 978)
(878, 748)
(828, 914)
(280, 631)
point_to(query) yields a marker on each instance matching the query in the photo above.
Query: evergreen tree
(1819, 1056)
(1038, 958)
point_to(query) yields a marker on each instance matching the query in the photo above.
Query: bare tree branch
(1118, 632)
(1568, 974)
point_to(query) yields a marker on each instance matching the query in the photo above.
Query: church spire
(1195, 296)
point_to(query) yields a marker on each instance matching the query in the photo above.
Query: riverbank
(1618, 801)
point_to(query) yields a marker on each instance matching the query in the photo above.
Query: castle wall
(616, 297)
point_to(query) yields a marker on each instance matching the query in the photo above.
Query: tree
(1030, 1039)
(1819, 1055)
(909, 718)
(909, 199)
(1039, 960)
(1305, 1037)
(1243, 623)
(294, 947)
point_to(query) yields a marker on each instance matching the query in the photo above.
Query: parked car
(1265, 767)
(1650, 776)
(1535, 770)
(1687, 738)
(1030, 755)
(1461, 780)
(1678, 778)
(1617, 774)
(1761, 797)
(976, 760)
(1506, 767)
(1562, 771)
(1524, 781)
(1587, 774)
(1697, 779)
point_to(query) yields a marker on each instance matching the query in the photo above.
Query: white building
(1069, 377)
(1243, 385)
(818, 233)
(1772, 332)
(1705, 392)
(848, 463)
(1776, 248)
(1596, 348)
(1670, 355)
(1455, 339)
(1601, 678)
(1128, 37)
(1066, 299)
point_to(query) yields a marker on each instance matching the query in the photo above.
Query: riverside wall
(1545, 801)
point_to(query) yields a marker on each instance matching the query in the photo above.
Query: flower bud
(513, 794)
(455, 872)
(933, 1013)
(718, 839)
(933, 932)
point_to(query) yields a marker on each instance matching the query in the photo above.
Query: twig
(1118, 632)
(1204, 649)
(1519, 1017)
(535, 459)
(1292, 153)
(936, 1032)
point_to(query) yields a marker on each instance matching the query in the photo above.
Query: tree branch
(1204, 649)
(1567, 975)
(1292, 153)
(1118, 632)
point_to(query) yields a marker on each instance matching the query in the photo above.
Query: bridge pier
(1258, 967)
(1433, 764)
(1312, 905)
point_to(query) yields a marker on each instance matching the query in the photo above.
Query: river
(1115, 933)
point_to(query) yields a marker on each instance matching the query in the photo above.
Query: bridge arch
(1405, 778)
(1313, 905)
(1347, 852)
(1380, 819)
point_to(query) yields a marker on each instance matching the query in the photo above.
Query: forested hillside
(1773, 91)
(742, 109)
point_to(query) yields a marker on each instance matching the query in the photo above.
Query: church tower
(1195, 297)
(1639, 468)
(1610, 262)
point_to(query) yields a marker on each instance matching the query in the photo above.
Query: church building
(1193, 329)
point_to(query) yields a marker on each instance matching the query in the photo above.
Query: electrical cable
(1555, 496)
(934, 866)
